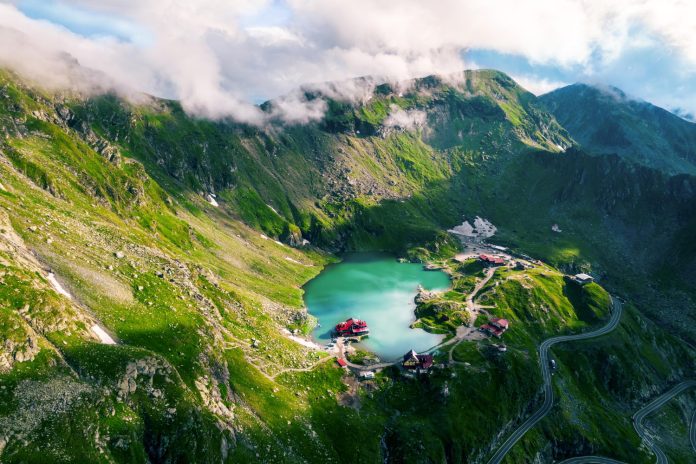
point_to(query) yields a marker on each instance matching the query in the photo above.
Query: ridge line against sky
(221, 57)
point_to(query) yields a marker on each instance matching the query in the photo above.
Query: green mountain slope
(625, 223)
(606, 121)
(109, 202)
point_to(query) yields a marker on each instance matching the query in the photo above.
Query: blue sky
(85, 21)
(651, 72)
(209, 51)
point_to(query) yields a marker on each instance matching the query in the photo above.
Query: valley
(154, 267)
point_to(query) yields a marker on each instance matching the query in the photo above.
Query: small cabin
(583, 279)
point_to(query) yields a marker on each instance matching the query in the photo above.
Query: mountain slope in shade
(606, 121)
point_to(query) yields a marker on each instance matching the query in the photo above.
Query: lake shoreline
(379, 288)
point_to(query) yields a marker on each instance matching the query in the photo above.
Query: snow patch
(279, 243)
(481, 229)
(211, 199)
(465, 229)
(58, 287)
(104, 337)
(302, 341)
(484, 227)
(292, 260)
(272, 209)
(263, 236)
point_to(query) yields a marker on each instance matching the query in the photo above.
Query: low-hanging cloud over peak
(221, 57)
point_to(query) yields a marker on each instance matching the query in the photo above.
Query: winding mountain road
(546, 375)
(638, 418)
(692, 432)
(591, 460)
(651, 407)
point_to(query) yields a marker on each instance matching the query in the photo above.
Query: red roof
(426, 361)
(493, 330)
(352, 326)
(341, 362)
(491, 259)
(502, 323)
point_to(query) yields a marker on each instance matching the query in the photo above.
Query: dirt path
(464, 333)
(467, 332)
(471, 307)
(301, 369)
(341, 350)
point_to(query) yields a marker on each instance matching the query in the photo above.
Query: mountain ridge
(606, 121)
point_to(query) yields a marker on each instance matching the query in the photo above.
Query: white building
(583, 279)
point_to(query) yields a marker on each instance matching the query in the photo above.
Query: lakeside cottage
(420, 363)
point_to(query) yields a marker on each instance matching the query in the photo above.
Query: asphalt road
(651, 407)
(638, 418)
(692, 432)
(591, 460)
(548, 387)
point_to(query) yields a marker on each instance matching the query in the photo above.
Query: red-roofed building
(490, 260)
(341, 362)
(496, 326)
(500, 323)
(352, 327)
(492, 330)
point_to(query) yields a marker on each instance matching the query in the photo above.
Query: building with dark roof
(418, 362)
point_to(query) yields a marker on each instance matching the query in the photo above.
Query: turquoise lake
(380, 290)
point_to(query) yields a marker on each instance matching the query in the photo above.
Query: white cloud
(295, 108)
(538, 85)
(208, 55)
(409, 120)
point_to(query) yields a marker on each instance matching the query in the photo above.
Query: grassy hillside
(622, 222)
(106, 219)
